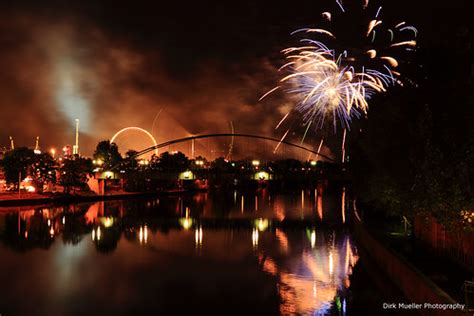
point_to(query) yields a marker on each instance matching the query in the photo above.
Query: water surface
(214, 253)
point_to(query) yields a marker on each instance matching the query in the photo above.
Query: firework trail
(231, 146)
(319, 148)
(154, 120)
(279, 143)
(343, 149)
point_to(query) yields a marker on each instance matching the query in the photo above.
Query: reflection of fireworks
(335, 84)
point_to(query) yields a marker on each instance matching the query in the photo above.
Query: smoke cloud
(63, 65)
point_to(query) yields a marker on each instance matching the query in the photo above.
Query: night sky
(114, 64)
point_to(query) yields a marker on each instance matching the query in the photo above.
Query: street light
(255, 163)
(98, 162)
(143, 162)
(199, 163)
(53, 152)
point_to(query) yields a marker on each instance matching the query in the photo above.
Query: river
(258, 252)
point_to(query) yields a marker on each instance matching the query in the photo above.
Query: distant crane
(37, 148)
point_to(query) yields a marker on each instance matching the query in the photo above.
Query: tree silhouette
(74, 173)
(107, 153)
(16, 161)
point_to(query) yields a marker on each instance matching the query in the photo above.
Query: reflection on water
(312, 282)
(173, 245)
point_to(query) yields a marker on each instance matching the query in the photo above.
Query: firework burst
(326, 88)
(335, 84)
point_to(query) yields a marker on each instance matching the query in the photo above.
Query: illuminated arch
(275, 140)
(136, 129)
(185, 139)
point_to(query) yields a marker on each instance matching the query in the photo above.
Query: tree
(286, 166)
(220, 165)
(173, 163)
(44, 170)
(107, 153)
(75, 172)
(130, 162)
(17, 161)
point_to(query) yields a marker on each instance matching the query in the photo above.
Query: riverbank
(25, 199)
(422, 277)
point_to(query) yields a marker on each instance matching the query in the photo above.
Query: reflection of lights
(93, 234)
(198, 236)
(49, 222)
(235, 196)
(107, 221)
(313, 290)
(53, 152)
(319, 206)
(331, 264)
(64, 220)
(186, 222)
(303, 297)
(256, 203)
(261, 224)
(143, 234)
(98, 234)
(26, 234)
(313, 238)
(51, 231)
(279, 209)
(302, 199)
(347, 256)
(282, 239)
(242, 204)
(269, 265)
(255, 237)
(343, 205)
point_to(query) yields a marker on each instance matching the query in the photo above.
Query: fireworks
(328, 89)
(335, 84)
